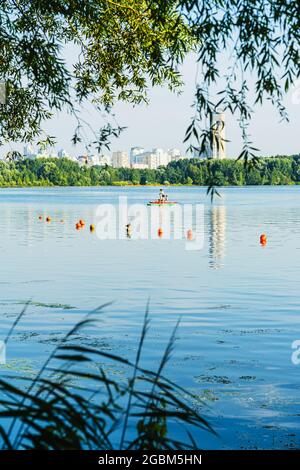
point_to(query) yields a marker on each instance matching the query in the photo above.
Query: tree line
(279, 170)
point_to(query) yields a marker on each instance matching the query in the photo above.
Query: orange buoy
(48, 219)
(160, 232)
(189, 234)
(92, 228)
(263, 239)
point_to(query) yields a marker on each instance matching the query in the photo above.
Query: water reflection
(217, 352)
(217, 236)
(28, 225)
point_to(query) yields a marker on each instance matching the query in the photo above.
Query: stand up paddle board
(161, 203)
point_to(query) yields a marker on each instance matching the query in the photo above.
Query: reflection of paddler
(189, 234)
(128, 230)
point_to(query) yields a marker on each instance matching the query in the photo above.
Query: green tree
(63, 172)
(122, 45)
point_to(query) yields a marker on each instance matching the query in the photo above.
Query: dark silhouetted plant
(72, 403)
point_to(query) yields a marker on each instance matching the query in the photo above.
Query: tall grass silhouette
(72, 402)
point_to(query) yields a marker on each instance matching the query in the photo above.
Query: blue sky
(163, 122)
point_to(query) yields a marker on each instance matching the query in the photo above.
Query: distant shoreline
(153, 185)
(62, 172)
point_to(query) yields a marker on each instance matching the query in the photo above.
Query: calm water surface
(238, 301)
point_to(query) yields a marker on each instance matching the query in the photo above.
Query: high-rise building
(135, 153)
(151, 160)
(175, 154)
(120, 160)
(163, 158)
(218, 150)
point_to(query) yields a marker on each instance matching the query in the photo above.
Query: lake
(238, 302)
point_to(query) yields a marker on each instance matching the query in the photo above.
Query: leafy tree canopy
(281, 170)
(125, 45)
(122, 45)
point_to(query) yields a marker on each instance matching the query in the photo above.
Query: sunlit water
(238, 301)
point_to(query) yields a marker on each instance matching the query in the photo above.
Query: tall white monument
(218, 150)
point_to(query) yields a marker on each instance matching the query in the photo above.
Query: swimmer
(128, 230)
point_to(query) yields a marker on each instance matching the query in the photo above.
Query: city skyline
(139, 157)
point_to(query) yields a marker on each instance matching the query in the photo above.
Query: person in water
(128, 230)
